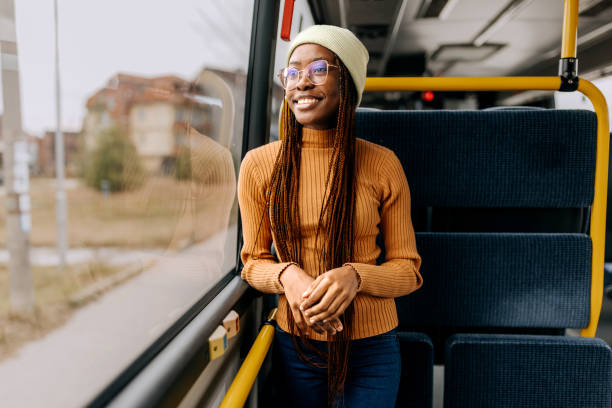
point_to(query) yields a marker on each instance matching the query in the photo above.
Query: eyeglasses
(316, 72)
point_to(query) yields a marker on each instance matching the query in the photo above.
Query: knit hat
(344, 44)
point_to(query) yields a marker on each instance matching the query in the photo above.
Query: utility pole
(60, 195)
(16, 173)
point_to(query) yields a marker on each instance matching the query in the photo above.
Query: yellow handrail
(570, 29)
(238, 392)
(598, 210)
(463, 83)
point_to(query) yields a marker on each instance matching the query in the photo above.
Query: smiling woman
(322, 196)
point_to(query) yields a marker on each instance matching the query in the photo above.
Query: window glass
(302, 19)
(152, 106)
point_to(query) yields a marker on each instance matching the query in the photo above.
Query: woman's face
(319, 103)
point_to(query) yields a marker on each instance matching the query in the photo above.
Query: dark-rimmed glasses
(316, 72)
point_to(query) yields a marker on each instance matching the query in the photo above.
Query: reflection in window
(152, 124)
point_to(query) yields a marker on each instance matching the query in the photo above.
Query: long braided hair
(334, 236)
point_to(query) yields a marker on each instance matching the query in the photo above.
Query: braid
(335, 218)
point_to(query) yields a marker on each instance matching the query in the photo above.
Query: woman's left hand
(330, 294)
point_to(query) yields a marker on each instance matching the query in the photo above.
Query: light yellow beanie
(344, 44)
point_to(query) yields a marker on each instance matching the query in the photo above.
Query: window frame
(255, 133)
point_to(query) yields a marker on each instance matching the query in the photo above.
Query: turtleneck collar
(318, 138)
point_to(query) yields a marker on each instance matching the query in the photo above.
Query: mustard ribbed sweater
(382, 204)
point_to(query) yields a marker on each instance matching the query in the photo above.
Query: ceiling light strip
(590, 36)
(598, 32)
(511, 10)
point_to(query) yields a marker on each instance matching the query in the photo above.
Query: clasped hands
(319, 303)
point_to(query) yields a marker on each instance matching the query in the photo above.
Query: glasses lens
(289, 77)
(317, 72)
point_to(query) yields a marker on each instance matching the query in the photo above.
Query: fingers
(327, 327)
(312, 285)
(341, 309)
(331, 327)
(317, 292)
(337, 324)
(321, 312)
(300, 322)
(331, 295)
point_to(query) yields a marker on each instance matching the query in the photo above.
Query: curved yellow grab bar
(598, 210)
(238, 392)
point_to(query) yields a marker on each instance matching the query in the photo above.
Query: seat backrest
(510, 166)
(416, 384)
(495, 159)
(501, 280)
(527, 371)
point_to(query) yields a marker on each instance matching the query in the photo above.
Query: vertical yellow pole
(240, 388)
(598, 210)
(570, 28)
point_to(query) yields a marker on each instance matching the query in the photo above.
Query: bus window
(152, 106)
(302, 19)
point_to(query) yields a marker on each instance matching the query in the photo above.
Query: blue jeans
(372, 380)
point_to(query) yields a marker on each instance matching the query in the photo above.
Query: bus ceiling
(470, 37)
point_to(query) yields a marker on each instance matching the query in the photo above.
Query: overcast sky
(101, 38)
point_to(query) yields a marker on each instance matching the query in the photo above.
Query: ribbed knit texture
(382, 204)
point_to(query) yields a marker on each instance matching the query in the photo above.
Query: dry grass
(53, 289)
(164, 213)
(161, 214)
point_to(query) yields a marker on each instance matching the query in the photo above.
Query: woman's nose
(303, 81)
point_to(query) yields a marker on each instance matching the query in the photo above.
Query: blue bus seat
(501, 280)
(527, 371)
(507, 166)
(416, 385)
(490, 159)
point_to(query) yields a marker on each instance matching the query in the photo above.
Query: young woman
(322, 197)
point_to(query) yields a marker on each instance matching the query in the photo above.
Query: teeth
(306, 100)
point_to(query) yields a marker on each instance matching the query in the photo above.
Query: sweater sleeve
(399, 274)
(261, 270)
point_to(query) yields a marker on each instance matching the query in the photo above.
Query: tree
(115, 161)
(183, 164)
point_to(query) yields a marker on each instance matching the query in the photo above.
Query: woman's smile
(306, 102)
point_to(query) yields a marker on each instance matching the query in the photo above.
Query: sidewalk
(69, 366)
(48, 256)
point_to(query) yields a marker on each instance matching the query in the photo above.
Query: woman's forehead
(304, 54)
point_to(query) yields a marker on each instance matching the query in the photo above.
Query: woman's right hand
(296, 281)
